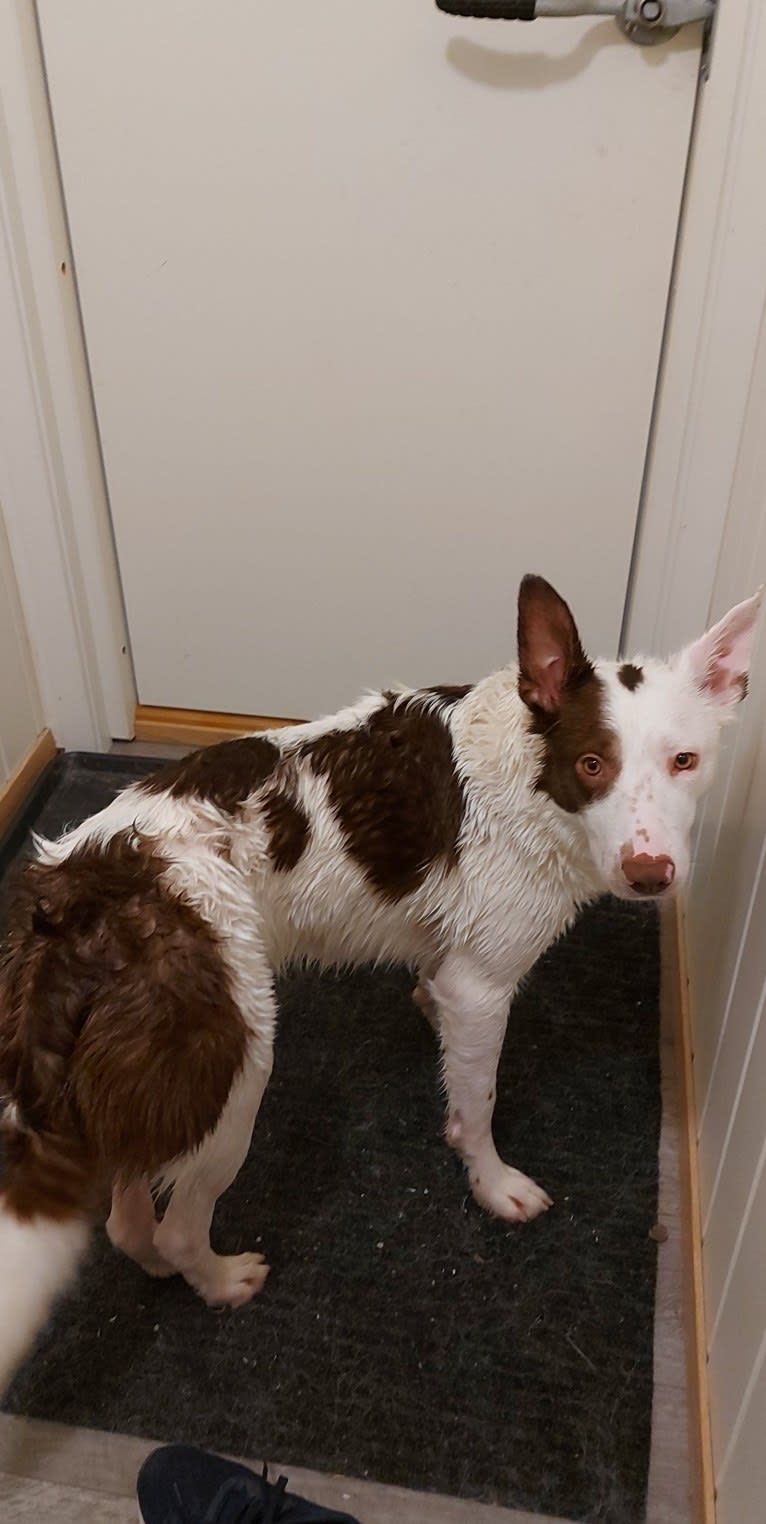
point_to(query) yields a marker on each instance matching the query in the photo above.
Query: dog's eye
(591, 766)
(685, 761)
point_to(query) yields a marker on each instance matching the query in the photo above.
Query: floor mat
(403, 1335)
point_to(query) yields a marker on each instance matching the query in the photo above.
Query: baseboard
(23, 778)
(694, 1298)
(198, 727)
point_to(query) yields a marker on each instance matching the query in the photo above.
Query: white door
(373, 300)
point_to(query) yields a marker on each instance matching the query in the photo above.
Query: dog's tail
(47, 1199)
(38, 1259)
(119, 1043)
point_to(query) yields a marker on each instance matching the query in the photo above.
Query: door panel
(373, 301)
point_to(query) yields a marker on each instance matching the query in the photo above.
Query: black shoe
(183, 1485)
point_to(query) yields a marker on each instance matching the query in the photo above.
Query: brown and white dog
(455, 829)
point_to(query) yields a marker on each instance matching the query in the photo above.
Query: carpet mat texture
(403, 1335)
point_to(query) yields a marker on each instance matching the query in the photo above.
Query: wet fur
(450, 828)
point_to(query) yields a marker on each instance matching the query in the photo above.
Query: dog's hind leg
(473, 1014)
(132, 1225)
(422, 995)
(182, 1239)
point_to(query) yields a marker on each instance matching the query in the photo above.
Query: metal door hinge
(643, 21)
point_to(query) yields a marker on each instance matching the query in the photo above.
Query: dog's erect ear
(719, 660)
(551, 657)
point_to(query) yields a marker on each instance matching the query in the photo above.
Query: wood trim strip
(198, 727)
(23, 778)
(696, 1342)
(673, 1486)
(107, 1464)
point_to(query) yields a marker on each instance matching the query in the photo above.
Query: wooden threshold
(106, 1465)
(24, 777)
(694, 1297)
(198, 727)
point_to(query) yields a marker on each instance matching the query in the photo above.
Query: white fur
(38, 1260)
(649, 809)
(182, 1239)
(474, 930)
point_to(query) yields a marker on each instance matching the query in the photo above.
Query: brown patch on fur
(578, 730)
(449, 694)
(551, 657)
(48, 1175)
(224, 775)
(395, 791)
(630, 676)
(565, 696)
(119, 1039)
(288, 826)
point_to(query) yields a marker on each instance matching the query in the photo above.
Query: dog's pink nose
(648, 875)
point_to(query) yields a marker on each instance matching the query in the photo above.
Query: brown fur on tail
(119, 1037)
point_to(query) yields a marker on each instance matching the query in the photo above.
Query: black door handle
(491, 10)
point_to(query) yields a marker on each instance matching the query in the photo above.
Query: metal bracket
(645, 22)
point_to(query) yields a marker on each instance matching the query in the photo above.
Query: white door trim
(52, 490)
(717, 305)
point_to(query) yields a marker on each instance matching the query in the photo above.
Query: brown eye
(591, 766)
(685, 761)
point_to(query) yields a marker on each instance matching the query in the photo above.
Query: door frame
(52, 485)
(52, 488)
(716, 311)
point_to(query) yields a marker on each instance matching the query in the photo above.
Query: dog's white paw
(509, 1194)
(236, 1279)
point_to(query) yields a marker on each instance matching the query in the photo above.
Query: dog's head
(630, 746)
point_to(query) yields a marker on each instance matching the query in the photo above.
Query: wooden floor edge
(199, 727)
(107, 1464)
(24, 777)
(699, 1406)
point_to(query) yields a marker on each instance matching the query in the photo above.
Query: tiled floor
(53, 1475)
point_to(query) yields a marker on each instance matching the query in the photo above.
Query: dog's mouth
(626, 891)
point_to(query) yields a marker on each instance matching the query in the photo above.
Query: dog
(455, 829)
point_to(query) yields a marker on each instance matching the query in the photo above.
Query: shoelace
(238, 1502)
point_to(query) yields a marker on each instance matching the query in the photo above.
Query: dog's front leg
(473, 1014)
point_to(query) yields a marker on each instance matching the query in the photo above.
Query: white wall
(701, 548)
(727, 950)
(20, 711)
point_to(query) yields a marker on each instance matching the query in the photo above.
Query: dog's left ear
(551, 658)
(719, 661)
